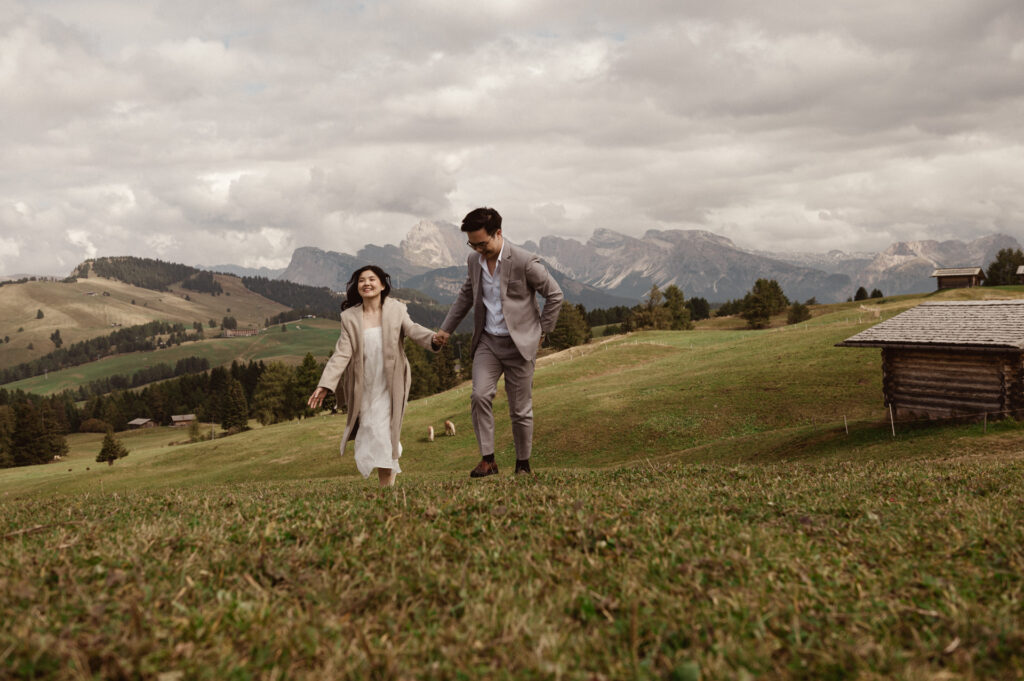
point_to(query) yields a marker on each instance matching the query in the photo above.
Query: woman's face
(369, 285)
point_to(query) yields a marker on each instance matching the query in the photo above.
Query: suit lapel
(506, 268)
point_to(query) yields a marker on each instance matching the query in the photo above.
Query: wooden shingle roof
(1020, 269)
(958, 272)
(138, 422)
(977, 324)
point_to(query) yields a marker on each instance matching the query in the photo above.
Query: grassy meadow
(307, 335)
(698, 511)
(89, 307)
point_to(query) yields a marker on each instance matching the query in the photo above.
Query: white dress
(373, 439)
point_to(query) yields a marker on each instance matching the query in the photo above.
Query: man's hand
(441, 338)
(317, 398)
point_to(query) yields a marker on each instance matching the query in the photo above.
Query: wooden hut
(1020, 274)
(958, 277)
(951, 359)
(141, 423)
(182, 419)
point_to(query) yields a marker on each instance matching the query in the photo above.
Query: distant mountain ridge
(612, 268)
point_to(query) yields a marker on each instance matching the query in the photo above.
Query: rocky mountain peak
(433, 245)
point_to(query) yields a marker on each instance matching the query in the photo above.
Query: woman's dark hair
(352, 297)
(482, 218)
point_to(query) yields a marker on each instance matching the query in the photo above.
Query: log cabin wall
(933, 384)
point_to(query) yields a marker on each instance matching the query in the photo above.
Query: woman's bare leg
(386, 477)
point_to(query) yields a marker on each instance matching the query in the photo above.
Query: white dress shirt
(494, 320)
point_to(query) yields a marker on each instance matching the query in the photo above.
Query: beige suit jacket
(522, 278)
(343, 374)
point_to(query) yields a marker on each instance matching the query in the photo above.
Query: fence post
(846, 426)
(892, 421)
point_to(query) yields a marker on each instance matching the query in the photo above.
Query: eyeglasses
(480, 244)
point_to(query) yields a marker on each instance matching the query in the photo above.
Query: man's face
(484, 244)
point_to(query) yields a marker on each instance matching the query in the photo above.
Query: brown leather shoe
(483, 469)
(522, 467)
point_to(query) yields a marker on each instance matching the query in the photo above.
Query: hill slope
(92, 307)
(698, 511)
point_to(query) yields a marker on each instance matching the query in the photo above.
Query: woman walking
(370, 370)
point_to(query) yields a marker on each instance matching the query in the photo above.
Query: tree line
(229, 396)
(149, 273)
(143, 337)
(203, 282)
(158, 372)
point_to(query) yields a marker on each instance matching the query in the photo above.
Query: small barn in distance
(182, 419)
(958, 277)
(141, 423)
(951, 359)
(1020, 274)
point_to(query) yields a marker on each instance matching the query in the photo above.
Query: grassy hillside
(82, 311)
(308, 335)
(698, 511)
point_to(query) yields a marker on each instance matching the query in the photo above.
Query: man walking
(508, 328)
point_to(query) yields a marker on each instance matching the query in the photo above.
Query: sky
(234, 132)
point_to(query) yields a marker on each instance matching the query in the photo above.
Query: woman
(370, 370)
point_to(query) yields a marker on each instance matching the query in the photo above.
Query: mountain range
(615, 269)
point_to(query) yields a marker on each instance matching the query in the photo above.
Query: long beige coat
(344, 371)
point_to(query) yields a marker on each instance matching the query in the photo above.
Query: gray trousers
(494, 356)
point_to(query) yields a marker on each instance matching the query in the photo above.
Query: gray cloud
(207, 132)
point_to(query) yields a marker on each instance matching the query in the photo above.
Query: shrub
(93, 426)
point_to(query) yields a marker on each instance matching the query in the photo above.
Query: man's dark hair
(482, 218)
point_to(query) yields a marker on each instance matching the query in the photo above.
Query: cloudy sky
(233, 132)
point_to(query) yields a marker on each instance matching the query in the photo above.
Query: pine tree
(273, 393)
(235, 416)
(570, 329)
(675, 303)
(307, 377)
(764, 300)
(798, 312)
(111, 450)
(1003, 270)
(861, 294)
(444, 368)
(424, 379)
(7, 424)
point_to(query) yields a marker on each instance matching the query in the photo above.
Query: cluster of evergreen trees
(203, 282)
(33, 428)
(302, 299)
(159, 372)
(128, 339)
(1003, 270)
(665, 310)
(156, 275)
(764, 300)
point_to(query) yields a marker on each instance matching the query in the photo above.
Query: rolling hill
(93, 306)
(699, 510)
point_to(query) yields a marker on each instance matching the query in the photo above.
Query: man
(508, 328)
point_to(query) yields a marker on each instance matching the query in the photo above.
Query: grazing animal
(449, 428)
(430, 433)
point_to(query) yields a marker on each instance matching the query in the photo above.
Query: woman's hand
(317, 398)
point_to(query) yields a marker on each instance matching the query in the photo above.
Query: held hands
(317, 398)
(440, 339)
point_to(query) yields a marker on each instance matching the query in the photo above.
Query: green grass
(79, 315)
(308, 335)
(699, 510)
